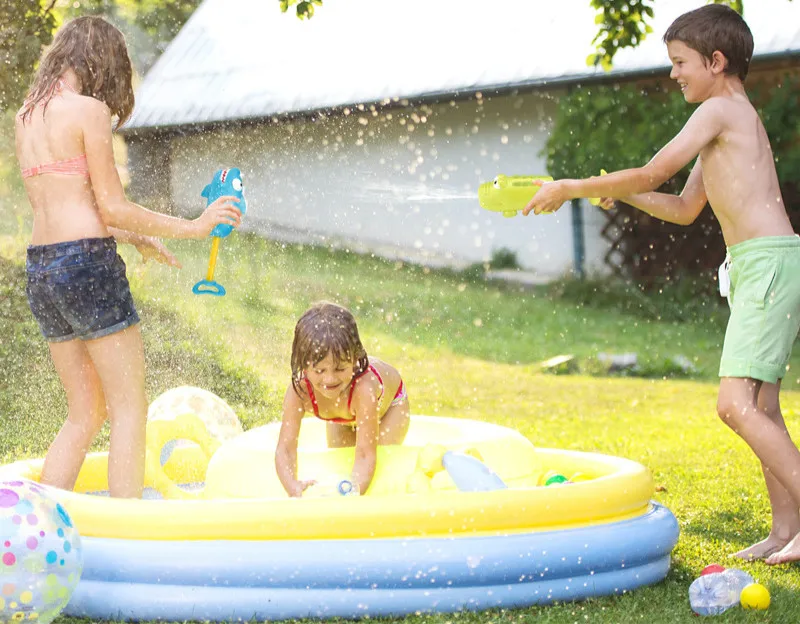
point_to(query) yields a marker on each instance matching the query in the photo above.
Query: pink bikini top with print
(342, 421)
(70, 166)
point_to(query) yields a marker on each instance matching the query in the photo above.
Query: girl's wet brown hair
(326, 328)
(96, 51)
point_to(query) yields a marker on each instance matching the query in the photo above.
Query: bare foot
(762, 550)
(789, 553)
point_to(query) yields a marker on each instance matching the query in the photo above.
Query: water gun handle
(208, 286)
(595, 201)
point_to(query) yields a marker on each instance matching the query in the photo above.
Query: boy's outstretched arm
(703, 127)
(682, 209)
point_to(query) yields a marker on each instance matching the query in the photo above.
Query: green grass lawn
(466, 348)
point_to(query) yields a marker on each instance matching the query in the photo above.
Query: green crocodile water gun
(510, 194)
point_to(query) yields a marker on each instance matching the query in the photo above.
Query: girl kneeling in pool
(362, 400)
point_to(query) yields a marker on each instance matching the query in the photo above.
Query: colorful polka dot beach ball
(41, 559)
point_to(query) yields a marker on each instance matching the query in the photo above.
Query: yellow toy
(755, 596)
(160, 433)
(510, 194)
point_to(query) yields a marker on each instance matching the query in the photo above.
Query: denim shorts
(78, 289)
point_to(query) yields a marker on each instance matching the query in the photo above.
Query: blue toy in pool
(471, 474)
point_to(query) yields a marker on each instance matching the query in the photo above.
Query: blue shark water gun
(225, 182)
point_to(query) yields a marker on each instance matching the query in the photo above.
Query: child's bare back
(64, 206)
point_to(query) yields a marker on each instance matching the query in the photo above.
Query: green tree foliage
(149, 25)
(160, 19)
(612, 127)
(781, 115)
(623, 24)
(28, 26)
(25, 27)
(303, 8)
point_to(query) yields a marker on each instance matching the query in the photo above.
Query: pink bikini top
(342, 421)
(71, 166)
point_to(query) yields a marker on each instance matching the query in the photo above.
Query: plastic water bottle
(715, 593)
(346, 487)
(332, 487)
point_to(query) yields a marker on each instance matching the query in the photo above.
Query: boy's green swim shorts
(765, 308)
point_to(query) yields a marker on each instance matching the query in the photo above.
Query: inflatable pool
(225, 543)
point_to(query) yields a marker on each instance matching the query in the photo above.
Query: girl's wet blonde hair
(326, 328)
(96, 51)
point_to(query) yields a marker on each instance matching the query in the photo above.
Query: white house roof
(244, 59)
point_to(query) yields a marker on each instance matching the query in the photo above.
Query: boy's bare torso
(739, 175)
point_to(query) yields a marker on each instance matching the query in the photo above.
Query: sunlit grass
(465, 348)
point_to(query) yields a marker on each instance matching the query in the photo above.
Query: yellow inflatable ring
(161, 432)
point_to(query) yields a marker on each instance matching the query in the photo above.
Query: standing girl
(363, 400)
(77, 288)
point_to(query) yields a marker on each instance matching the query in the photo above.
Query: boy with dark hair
(710, 49)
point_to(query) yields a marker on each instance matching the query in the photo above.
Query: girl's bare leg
(86, 414)
(394, 424)
(119, 361)
(340, 436)
(393, 428)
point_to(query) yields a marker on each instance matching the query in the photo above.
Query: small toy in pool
(552, 477)
(471, 474)
(224, 182)
(332, 486)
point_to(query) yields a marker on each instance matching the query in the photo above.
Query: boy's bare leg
(791, 551)
(738, 407)
(785, 512)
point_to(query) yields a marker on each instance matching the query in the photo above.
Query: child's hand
(549, 198)
(300, 487)
(153, 249)
(222, 210)
(607, 203)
